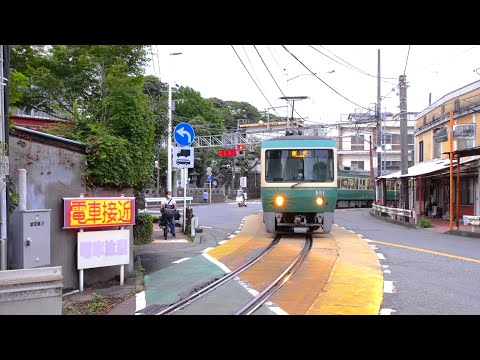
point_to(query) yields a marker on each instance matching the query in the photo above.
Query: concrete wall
(31, 291)
(55, 172)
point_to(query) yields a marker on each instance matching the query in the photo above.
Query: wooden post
(458, 192)
(451, 169)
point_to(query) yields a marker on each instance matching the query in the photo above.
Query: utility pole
(169, 140)
(404, 140)
(379, 121)
(4, 160)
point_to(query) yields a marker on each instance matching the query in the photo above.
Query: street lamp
(169, 140)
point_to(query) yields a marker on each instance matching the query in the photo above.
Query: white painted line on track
(216, 262)
(180, 260)
(387, 311)
(140, 302)
(380, 256)
(388, 287)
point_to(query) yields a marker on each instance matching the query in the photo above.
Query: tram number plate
(319, 192)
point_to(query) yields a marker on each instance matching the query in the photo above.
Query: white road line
(388, 287)
(385, 266)
(222, 242)
(247, 287)
(374, 247)
(236, 232)
(208, 249)
(380, 256)
(361, 235)
(180, 260)
(231, 236)
(140, 302)
(387, 271)
(216, 262)
(206, 227)
(367, 240)
(387, 311)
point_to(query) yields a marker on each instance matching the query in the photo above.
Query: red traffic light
(241, 147)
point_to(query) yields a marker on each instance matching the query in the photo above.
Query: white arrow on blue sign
(184, 134)
(209, 178)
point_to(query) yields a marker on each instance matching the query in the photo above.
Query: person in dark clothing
(169, 203)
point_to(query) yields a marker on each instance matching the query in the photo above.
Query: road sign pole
(184, 199)
(210, 184)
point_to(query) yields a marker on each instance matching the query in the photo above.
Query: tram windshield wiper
(296, 184)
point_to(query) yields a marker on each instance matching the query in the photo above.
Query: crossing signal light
(241, 151)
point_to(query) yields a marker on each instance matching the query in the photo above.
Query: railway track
(258, 300)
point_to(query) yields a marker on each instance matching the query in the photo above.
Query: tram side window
(345, 183)
(350, 183)
(361, 183)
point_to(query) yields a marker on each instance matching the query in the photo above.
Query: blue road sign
(184, 134)
(209, 178)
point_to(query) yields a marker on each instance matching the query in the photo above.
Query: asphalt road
(429, 273)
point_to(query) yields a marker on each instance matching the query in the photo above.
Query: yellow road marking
(427, 251)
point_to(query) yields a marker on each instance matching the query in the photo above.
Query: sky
(345, 81)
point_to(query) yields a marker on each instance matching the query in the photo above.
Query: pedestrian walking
(205, 196)
(169, 203)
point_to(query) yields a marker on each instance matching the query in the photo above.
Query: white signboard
(243, 181)
(464, 131)
(183, 157)
(103, 248)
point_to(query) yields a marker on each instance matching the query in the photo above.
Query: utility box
(29, 237)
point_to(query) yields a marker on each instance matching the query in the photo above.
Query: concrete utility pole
(4, 160)
(404, 139)
(378, 116)
(169, 140)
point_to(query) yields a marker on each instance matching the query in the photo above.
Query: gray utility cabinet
(29, 236)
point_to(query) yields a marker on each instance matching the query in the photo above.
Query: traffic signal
(241, 151)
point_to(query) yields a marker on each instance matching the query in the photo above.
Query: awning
(428, 167)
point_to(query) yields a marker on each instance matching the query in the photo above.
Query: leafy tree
(100, 88)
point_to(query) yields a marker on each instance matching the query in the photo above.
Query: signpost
(183, 157)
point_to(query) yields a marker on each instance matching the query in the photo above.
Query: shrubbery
(143, 229)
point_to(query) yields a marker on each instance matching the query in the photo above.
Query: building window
(437, 149)
(420, 151)
(457, 105)
(358, 142)
(358, 164)
(393, 165)
(467, 191)
(465, 144)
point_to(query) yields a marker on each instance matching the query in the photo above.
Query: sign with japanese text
(84, 212)
(227, 153)
(103, 248)
(440, 134)
(464, 131)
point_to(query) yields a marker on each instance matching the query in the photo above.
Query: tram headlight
(320, 201)
(279, 200)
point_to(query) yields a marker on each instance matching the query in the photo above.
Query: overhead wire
(254, 80)
(352, 67)
(331, 88)
(276, 82)
(406, 60)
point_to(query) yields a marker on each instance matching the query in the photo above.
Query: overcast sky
(347, 71)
